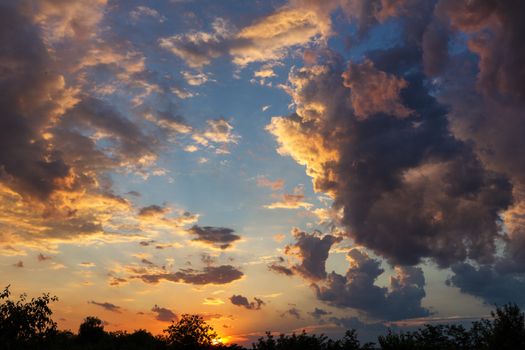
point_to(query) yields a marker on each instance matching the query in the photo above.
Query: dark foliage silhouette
(27, 324)
(190, 332)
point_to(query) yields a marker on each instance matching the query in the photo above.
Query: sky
(270, 165)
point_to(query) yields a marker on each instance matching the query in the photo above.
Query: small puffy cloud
(213, 301)
(222, 274)
(19, 264)
(283, 270)
(293, 312)
(144, 11)
(265, 108)
(216, 131)
(240, 300)
(268, 39)
(163, 314)
(219, 237)
(291, 201)
(195, 79)
(42, 257)
(263, 181)
(107, 306)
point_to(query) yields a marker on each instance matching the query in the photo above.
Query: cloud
(195, 79)
(312, 250)
(240, 300)
(318, 313)
(280, 269)
(357, 289)
(107, 306)
(42, 257)
(384, 173)
(153, 210)
(373, 91)
(144, 11)
(163, 314)
(222, 274)
(293, 312)
(291, 201)
(488, 284)
(219, 237)
(267, 39)
(263, 181)
(216, 131)
(19, 264)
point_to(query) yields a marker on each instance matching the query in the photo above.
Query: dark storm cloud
(357, 290)
(220, 237)
(31, 94)
(222, 274)
(312, 249)
(488, 284)
(107, 306)
(240, 300)
(163, 314)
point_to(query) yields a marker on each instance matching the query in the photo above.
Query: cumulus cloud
(222, 274)
(163, 314)
(373, 91)
(357, 289)
(219, 237)
(393, 177)
(240, 300)
(312, 250)
(107, 306)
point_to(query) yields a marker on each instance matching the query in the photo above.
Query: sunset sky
(269, 164)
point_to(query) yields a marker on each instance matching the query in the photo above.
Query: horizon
(269, 165)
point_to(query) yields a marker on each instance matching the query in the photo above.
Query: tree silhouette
(25, 324)
(91, 330)
(191, 332)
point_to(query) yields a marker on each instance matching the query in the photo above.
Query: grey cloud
(488, 284)
(107, 306)
(163, 314)
(357, 289)
(240, 300)
(222, 274)
(220, 237)
(153, 210)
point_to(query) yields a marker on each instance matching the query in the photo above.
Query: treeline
(27, 324)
